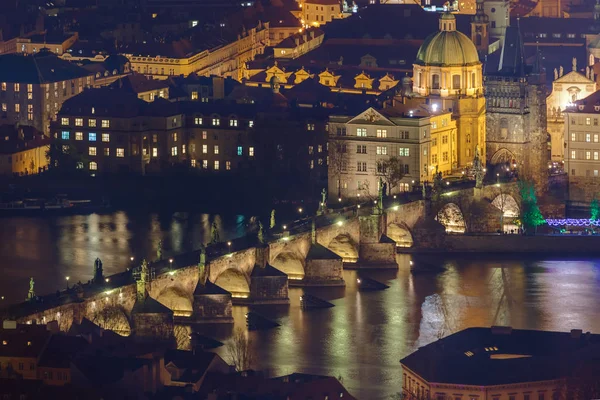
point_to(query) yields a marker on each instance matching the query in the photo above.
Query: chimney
(576, 333)
(304, 37)
(297, 40)
(218, 87)
(312, 34)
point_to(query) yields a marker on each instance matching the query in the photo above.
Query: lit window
(4, 107)
(78, 135)
(251, 151)
(65, 148)
(174, 136)
(93, 166)
(79, 165)
(17, 87)
(92, 151)
(107, 151)
(198, 121)
(216, 149)
(228, 165)
(154, 152)
(106, 137)
(240, 150)
(381, 133)
(204, 149)
(17, 107)
(320, 148)
(120, 152)
(4, 86)
(573, 137)
(310, 127)
(204, 135)
(233, 122)
(573, 153)
(250, 124)
(105, 123)
(205, 164)
(596, 155)
(78, 121)
(65, 135)
(194, 97)
(216, 122)
(381, 150)
(311, 164)
(216, 165)
(310, 149)
(193, 163)
(92, 123)
(183, 149)
(174, 150)
(361, 132)
(588, 155)
(595, 138)
(588, 137)
(404, 152)
(588, 121)
(92, 137)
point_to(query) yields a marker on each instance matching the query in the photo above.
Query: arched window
(455, 82)
(435, 81)
(469, 138)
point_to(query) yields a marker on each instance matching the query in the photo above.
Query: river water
(363, 337)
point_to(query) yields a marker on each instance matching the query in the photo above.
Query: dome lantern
(447, 22)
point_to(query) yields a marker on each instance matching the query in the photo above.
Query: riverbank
(501, 244)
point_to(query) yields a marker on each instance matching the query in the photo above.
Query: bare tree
(240, 350)
(392, 172)
(338, 161)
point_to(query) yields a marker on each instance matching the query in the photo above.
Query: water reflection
(49, 249)
(363, 337)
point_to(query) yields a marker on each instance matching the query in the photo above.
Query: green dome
(447, 48)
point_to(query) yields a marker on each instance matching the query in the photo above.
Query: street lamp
(339, 199)
(170, 263)
(67, 278)
(229, 246)
(284, 227)
(300, 210)
(131, 258)
(107, 280)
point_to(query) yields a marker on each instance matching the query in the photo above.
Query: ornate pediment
(370, 116)
(574, 77)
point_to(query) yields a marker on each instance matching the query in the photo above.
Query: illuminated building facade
(449, 74)
(320, 12)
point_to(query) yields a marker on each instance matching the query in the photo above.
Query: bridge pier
(212, 304)
(376, 249)
(268, 285)
(323, 268)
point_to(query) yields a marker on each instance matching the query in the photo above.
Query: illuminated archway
(344, 246)
(400, 234)
(177, 300)
(112, 318)
(290, 263)
(510, 210)
(235, 282)
(452, 218)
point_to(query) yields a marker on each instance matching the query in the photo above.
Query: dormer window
(596, 108)
(580, 107)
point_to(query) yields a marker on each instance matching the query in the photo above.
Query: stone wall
(560, 244)
(583, 188)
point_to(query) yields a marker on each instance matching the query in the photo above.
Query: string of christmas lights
(580, 222)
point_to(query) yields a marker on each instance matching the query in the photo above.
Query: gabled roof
(61, 349)
(320, 252)
(574, 77)
(209, 288)
(268, 270)
(372, 116)
(150, 306)
(43, 67)
(588, 104)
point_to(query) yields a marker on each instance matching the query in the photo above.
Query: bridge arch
(290, 263)
(112, 318)
(399, 232)
(235, 282)
(177, 299)
(452, 218)
(510, 210)
(344, 246)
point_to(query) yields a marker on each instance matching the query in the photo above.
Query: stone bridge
(357, 240)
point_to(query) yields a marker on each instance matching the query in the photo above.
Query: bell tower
(480, 24)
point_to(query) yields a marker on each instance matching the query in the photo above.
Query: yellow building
(449, 74)
(23, 151)
(224, 59)
(320, 12)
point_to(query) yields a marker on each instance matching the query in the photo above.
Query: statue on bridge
(98, 271)
(202, 269)
(323, 204)
(214, 233)
(272, 224)
(261, 233)
(142, 277)
(478, 169)
(31, 293)
(159, 251)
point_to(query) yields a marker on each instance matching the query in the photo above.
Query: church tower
(480, 24)
(448, 72)
(517, 137)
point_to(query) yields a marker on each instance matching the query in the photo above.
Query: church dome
(448, 47)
